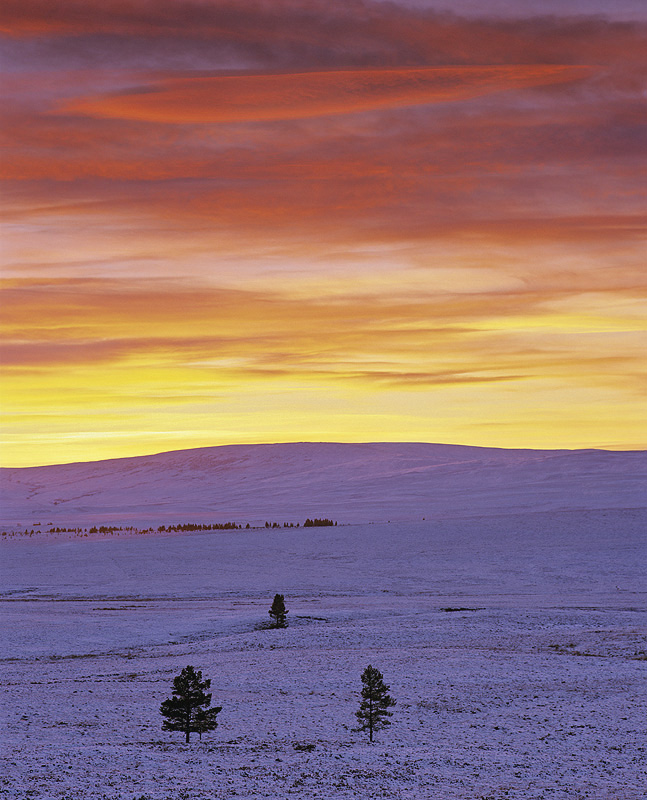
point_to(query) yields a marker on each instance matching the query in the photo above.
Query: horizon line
(599, 448)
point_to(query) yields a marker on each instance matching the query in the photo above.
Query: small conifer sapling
(374, 706)
(188, 710)
(278, 611)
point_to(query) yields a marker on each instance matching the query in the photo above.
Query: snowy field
(534, 689)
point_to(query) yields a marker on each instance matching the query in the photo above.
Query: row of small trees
(188, 709)
(179, 527)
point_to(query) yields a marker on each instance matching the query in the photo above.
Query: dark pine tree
(279, 611)
(188, 710)
(374, 706)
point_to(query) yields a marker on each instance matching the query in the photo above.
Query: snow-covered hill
(346, 482)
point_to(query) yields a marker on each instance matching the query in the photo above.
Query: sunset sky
(234, 221)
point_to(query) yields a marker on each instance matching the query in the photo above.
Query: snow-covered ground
(532, 687)
(370, 482)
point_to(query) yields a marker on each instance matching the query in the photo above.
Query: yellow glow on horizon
(413, 250)
(133, 410)
(100, 369)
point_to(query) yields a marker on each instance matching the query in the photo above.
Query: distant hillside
(346, 482)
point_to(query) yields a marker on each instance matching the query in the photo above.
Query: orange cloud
(88, 320)
(266, 97)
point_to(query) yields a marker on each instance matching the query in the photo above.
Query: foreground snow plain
(532, 687)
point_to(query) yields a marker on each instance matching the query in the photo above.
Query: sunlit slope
(346, 482)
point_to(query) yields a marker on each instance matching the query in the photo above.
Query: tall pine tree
(188, 710)
(374, 706)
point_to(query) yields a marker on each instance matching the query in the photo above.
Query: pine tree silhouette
(374, 706)
(278, 611)
(188, 710)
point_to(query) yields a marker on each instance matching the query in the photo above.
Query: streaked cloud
(251, 98)
(243, 221)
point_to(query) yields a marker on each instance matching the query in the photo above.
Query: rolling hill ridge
(348, 482)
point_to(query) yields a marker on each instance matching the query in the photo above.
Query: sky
(236, 221)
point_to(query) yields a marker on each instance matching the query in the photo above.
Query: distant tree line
(180, 527)
(72, 530)
(200, 526)
(104, 529)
